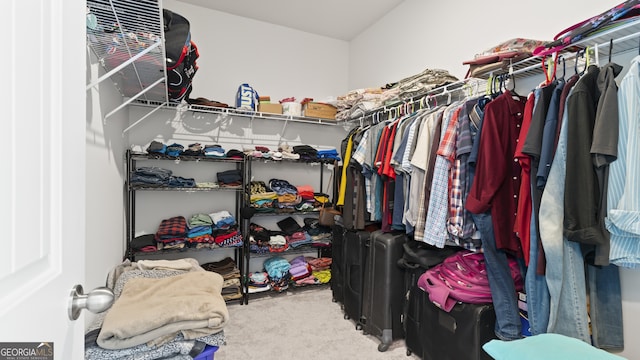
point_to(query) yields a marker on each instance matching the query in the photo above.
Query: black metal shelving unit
(321, 251)
(132, 159)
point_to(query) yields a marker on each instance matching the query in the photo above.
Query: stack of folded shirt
(171, 233)
(287, 152)
(174, 149)
(150, 177)
(225, 229)
(231, 287)
(214, 151)
(277, 242)
(320, 235)
(258, 282)
(308, 200)
(322, 276)
(331, 154)
(306, 192)
(157, 147)
(230, 178)
(200, 231)
(277, 267)
(144, 243)
(181, 182)
(228, 238)
(306, 152)
(298, 239)
(222, 219)
(299, 269)
(288, 196)
(258, 239)
(319, 264)
(194, 149)
(262, 198)
(235, 154)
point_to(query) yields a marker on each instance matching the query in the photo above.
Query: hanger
(495, 89)
(582, 54)
(550, 68)
(564, 67)
(610, 48)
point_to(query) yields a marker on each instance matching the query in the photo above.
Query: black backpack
(182, 54)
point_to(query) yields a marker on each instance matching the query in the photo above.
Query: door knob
(96, 301)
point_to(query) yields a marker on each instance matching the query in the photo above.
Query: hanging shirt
(547, 148)
(420, 178)
(533, 147)
(345, 166)
(497, 178)
(460, 222)
(623, 197)
(592, 145)
(522, 224)
(435, 231)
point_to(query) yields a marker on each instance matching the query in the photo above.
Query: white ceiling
(339, 19)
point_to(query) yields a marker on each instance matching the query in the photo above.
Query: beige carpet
(303, 324)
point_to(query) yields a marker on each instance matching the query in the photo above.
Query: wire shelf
(127, 37)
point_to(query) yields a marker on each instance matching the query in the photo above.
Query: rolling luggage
(411, 320)
(418, 257)
(355, 254)
(383, 291)
(337, 264)
(458, 334)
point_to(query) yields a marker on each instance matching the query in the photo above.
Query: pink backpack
(462, 277)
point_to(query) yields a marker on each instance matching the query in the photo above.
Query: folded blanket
(155, 309)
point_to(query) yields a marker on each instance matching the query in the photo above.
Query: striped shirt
(623, 196)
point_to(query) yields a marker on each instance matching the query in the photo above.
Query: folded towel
(153, 309)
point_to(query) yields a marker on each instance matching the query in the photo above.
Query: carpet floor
(302, 324)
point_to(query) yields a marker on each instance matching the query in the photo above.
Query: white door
(42, 185)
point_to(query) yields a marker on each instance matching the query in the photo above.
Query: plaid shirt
(172, 228)
(435, 231)
(461, 225)
(431, 125)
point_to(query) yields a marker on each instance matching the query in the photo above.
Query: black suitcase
(418, 257)
(383, 292)
(337, 263)
(411, 319)
(459, 334)
(355, 254)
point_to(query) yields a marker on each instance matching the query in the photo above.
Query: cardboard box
(320, 110)
(270, 108)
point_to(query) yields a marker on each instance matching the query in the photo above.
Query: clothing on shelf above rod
(624, 37)
(472, 85)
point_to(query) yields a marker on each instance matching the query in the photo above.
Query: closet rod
(614, 41)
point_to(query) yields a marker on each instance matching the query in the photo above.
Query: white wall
(275, 60)
(418, 34)
(104, 181)
(445, 33)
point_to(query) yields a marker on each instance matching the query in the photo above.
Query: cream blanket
(155, 310)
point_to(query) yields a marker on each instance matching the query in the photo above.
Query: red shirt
(522, 226)
(497, 180)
